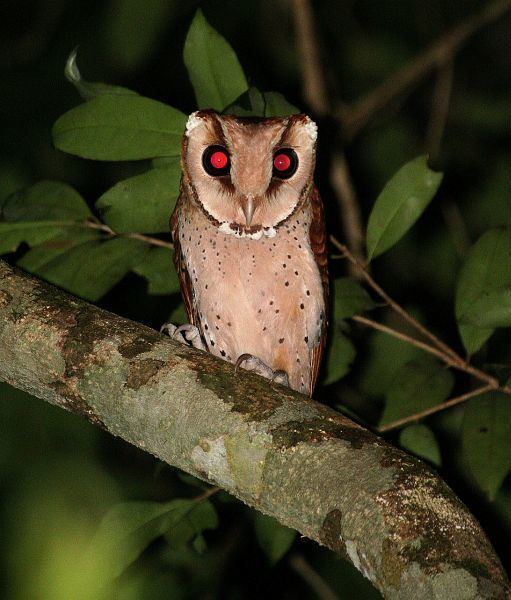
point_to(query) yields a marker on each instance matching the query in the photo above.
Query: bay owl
(250, 244)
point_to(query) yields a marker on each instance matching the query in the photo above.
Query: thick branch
(278, 451)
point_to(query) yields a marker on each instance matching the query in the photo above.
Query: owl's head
(248, 174)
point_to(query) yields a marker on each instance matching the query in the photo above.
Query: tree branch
(354, 118)
(280, 452)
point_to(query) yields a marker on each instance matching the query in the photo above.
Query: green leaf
(250, 104)
(158, 269)
(215, 72)
(401, 202)
(275, 539)
(48, 210)
(45, 201)
(340, 355)
(486, 440)
(128, 528)
(40, 255)
(89, 89)
(421, 441)
(483, 283)
(254, 103)
(491, 310)
(36, 232)
(419, 384)
(142, 203)
(378, 372)
(120, 128)
(350, 298)
(188, 523)
(91, 269)
(277, 106)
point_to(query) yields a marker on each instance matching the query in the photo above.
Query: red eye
(216, 161)
(285, 163)
(219, 160)
(282, 162)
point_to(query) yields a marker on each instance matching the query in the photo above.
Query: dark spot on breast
(222, 352)
(287, 283)
(302, 306)
(308, 293)
(281, 340)
(306, 339)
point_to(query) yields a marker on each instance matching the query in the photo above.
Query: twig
(314, 85)
(405, 338)
(340, 178)
(434, 409)
(438, 53)
(207, 494)
(394, 305)
(136, 236)
(314, 580)
(439, 110)
(316, 95)
(458, 364)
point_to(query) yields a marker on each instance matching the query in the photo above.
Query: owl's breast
(262, 297)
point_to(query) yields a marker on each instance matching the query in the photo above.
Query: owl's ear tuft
(193, 121)
(311, 128)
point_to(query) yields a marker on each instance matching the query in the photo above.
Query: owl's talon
(280, 377)
(186, 334)
(256, 365)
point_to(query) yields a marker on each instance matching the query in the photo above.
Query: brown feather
(179, 263)
(318, 242)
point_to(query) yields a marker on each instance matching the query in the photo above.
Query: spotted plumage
(250, 246)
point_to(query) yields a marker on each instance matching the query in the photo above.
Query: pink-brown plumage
(254, 280)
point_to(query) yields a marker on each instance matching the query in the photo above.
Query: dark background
(58, 474)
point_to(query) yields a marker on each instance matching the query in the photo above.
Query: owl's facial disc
(249, 175)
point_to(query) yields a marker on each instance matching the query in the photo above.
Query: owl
(250, 244)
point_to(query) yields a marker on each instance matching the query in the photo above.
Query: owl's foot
(186, 334)
(252, 363)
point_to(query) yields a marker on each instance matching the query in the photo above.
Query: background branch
(316, 95)
(440, 52)
(288, 456)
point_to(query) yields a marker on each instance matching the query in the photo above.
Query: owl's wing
(182, 273)
(318, 242)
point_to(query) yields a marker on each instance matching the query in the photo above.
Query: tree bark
(276, 450)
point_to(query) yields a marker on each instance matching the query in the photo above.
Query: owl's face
(248, 174)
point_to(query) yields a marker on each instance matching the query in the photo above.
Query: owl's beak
(248, 207)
